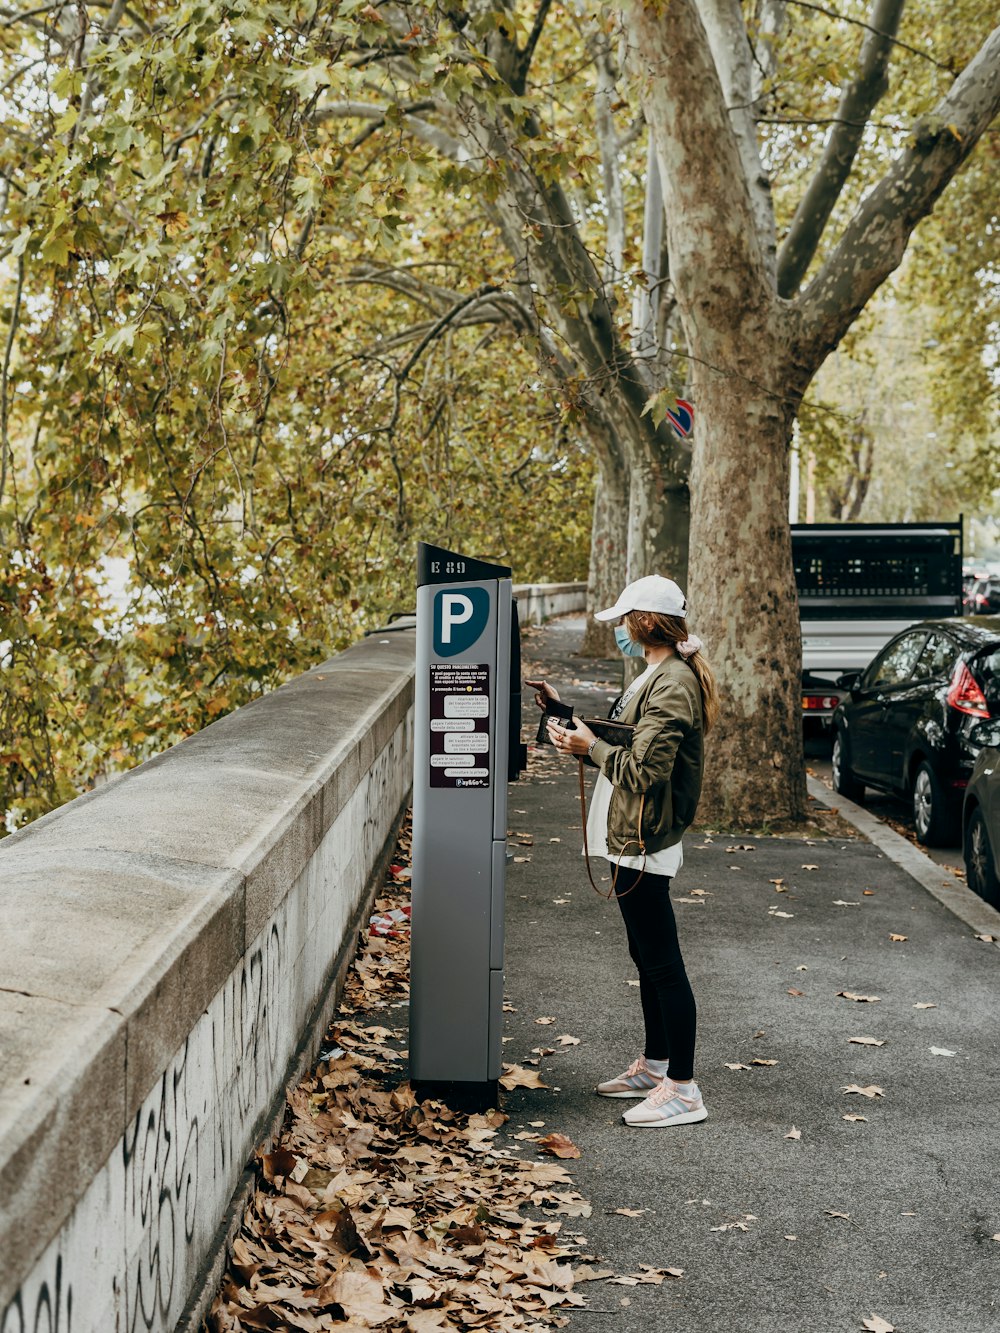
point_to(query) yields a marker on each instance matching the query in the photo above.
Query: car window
(987, 665)
(896, 662)
(937, 658)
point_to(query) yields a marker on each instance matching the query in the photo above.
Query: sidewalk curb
(958, 898)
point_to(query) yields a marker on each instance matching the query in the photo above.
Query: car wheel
(934, 816)
(980, 868)
(844, 781)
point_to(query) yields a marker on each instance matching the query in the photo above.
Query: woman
(645, 797)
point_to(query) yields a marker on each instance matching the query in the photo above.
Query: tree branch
(715, 249)
(5, 450)
(860, 23)
(607, 140)
(857, 100)
(519, 75)
(874, 240)
(441, 140)
(727, 36)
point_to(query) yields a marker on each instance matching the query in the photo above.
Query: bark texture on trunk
(744, 602)
(740, 579)
(608, 551)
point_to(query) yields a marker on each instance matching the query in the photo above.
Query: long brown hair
(653, 629)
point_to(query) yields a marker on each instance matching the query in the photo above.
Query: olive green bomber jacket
(664, 762)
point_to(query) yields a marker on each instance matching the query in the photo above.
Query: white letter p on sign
(456, 609)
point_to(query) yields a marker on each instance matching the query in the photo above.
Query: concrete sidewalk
(892, 1215)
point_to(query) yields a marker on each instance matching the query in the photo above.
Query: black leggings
(668, 1007)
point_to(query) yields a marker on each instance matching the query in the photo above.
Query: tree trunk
(659, 517)
(742, 586)
(608, 546)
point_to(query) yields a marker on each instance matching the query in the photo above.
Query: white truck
(861, 583)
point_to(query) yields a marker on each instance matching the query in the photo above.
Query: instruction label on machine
(460, 724)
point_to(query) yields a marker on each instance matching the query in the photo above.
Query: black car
(981, 823)
(916, 718)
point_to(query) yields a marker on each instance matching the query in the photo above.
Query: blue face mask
(626, 645)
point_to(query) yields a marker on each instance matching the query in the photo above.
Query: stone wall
(540, 601)
(171, 944)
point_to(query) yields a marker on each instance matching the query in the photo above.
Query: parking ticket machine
(466, 748)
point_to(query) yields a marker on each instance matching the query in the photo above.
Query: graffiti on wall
(174, 1172)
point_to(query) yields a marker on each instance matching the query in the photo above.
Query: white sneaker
(666, 1105)
(637, 1081)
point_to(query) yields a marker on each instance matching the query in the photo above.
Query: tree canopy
(292, 285)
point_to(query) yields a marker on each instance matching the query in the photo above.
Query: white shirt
(668, 860)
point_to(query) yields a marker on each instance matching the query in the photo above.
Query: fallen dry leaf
(558, 1145)
(830, 1213)
(897, 939)
(810, 867)
(737, 1066)
(791, 1237)
(876, 1324)
(870, 1091)
(544, 1021)
(866, 1041)
(861, 999)
(792, 991)
(629, 1212)
(850, 1116)
(869, 893)
(794, 1133)
(566, 1040)
(755, 1061)
(940, 1050)
(925, 1006)
(741, 847)
(987, 939)
(587, 1274)
(516, 1077)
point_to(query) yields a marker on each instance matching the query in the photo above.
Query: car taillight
(823, 702)
(964, 694)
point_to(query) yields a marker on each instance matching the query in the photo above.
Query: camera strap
(611, 893)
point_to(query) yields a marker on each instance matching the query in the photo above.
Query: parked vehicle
(981, 823)
(914, 721)
(858, 585)
(983, 597)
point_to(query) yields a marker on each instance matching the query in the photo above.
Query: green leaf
(55, 250)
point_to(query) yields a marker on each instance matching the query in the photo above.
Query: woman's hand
(575, 742)
(543, 690)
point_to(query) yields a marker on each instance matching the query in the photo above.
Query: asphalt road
(890, 1215)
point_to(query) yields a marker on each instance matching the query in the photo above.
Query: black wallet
(615, 733)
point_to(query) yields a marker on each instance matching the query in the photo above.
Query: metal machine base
(459, 1096)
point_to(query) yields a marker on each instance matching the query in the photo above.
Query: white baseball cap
(653, 593)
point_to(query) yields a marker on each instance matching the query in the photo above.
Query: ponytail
(654, 629)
